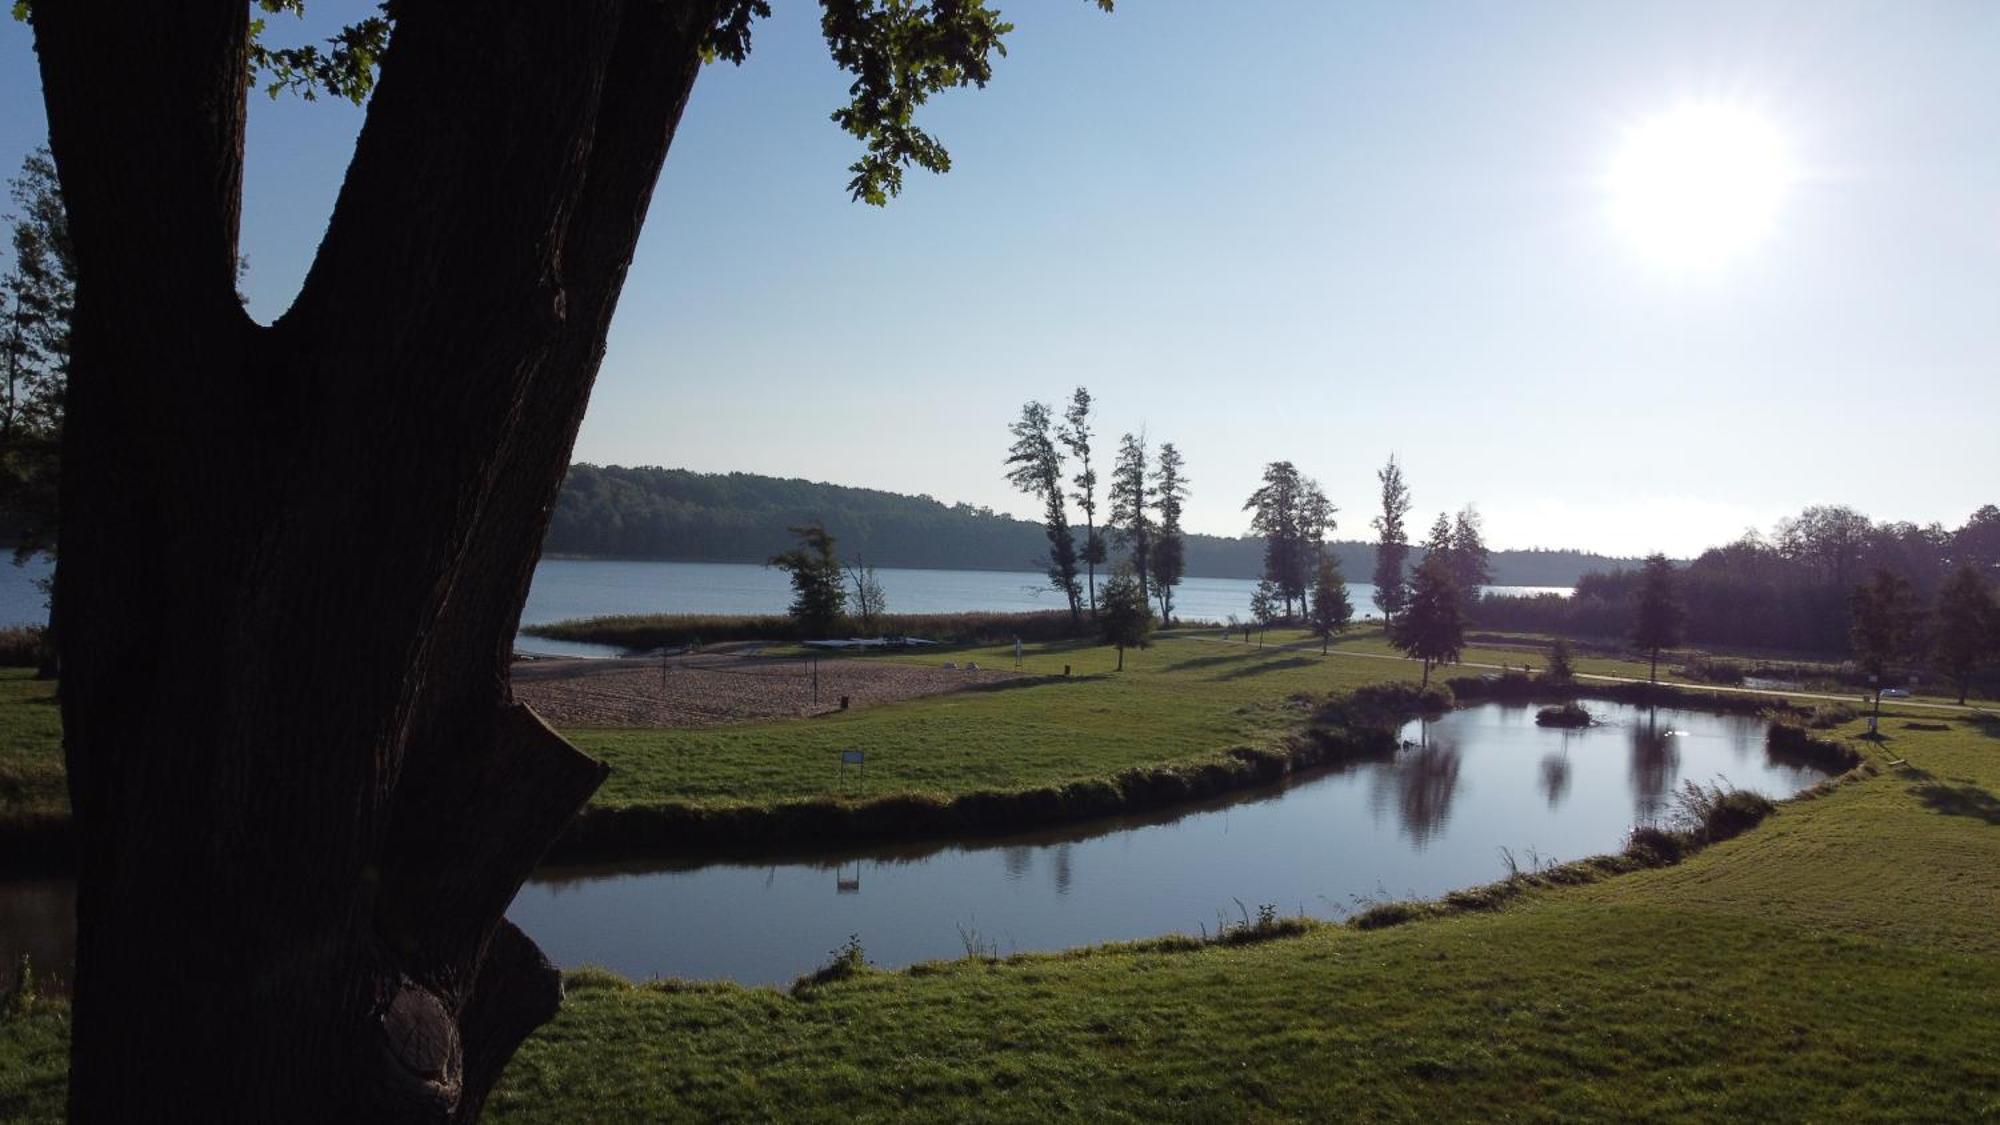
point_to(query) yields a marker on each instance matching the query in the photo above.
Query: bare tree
(869, 602)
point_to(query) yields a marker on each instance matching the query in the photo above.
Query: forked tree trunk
(294, 557)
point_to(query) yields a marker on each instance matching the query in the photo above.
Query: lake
(570, 588)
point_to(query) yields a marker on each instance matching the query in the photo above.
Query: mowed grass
(1514, 650)
(1840, 962)
(31, 765)
(1182, 700)
(1191, 697)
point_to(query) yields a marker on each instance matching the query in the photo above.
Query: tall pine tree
(1968, 623)
(1331, 610)
(1884, 613)
(819, 587)
(1432, 627)
(1658, 616)
(1392, 550)
(1075, 436)
(1131, 508)
(1469, 556)
(1169, 562)
(1293, 515)
(1035, 467)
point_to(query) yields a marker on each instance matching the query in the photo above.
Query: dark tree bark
(294, 557)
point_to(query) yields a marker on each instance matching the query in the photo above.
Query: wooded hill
(653, 513)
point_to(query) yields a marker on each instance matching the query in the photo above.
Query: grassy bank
(1687, 668)
(1837, 962)
(1190, 717)
(1186, 719)
(34, 799)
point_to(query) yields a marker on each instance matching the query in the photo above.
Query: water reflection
(1555, 775)
(1656, 765)
(1018, 860)
(1426, 780)
(1430, 818)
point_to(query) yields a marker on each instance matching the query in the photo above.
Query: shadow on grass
(1959, 800)
(1194, 662)
(1035, 681)
(1269, 666)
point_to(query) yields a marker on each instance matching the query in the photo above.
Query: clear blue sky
(1314, 231)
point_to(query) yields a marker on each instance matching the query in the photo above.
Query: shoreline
(1340, 728)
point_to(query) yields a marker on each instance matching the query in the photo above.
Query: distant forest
(653, 513)
(1789, 590)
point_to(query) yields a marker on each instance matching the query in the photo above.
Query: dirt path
(1857, 699)
(713, 689)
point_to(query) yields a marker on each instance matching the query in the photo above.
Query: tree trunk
(1090, 558)
(294, 557)
(1121, 658)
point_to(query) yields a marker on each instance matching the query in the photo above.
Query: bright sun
(1696, 187)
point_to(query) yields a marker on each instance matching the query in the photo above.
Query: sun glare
(1696, 187)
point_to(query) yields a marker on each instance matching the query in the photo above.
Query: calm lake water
(1431, 820)
(569, 588)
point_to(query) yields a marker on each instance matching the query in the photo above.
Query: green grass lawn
(31, 769)
(1839, 962)
(1181, 700)
(1513, 650)
(1189, 698)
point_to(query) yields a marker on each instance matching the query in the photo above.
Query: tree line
(1790, 589)
(610, 511)
(1145, 496)
(1423, 607)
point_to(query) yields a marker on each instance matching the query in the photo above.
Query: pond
(1431, 819)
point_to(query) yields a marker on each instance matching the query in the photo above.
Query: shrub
(1709, 670)
(21, 646)
(1655, 846)
(1826, 716)
(1567, 715)
(1386, 705)
(1385, 914)
(847, 962)
(1562, 665)
(1710, 814)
